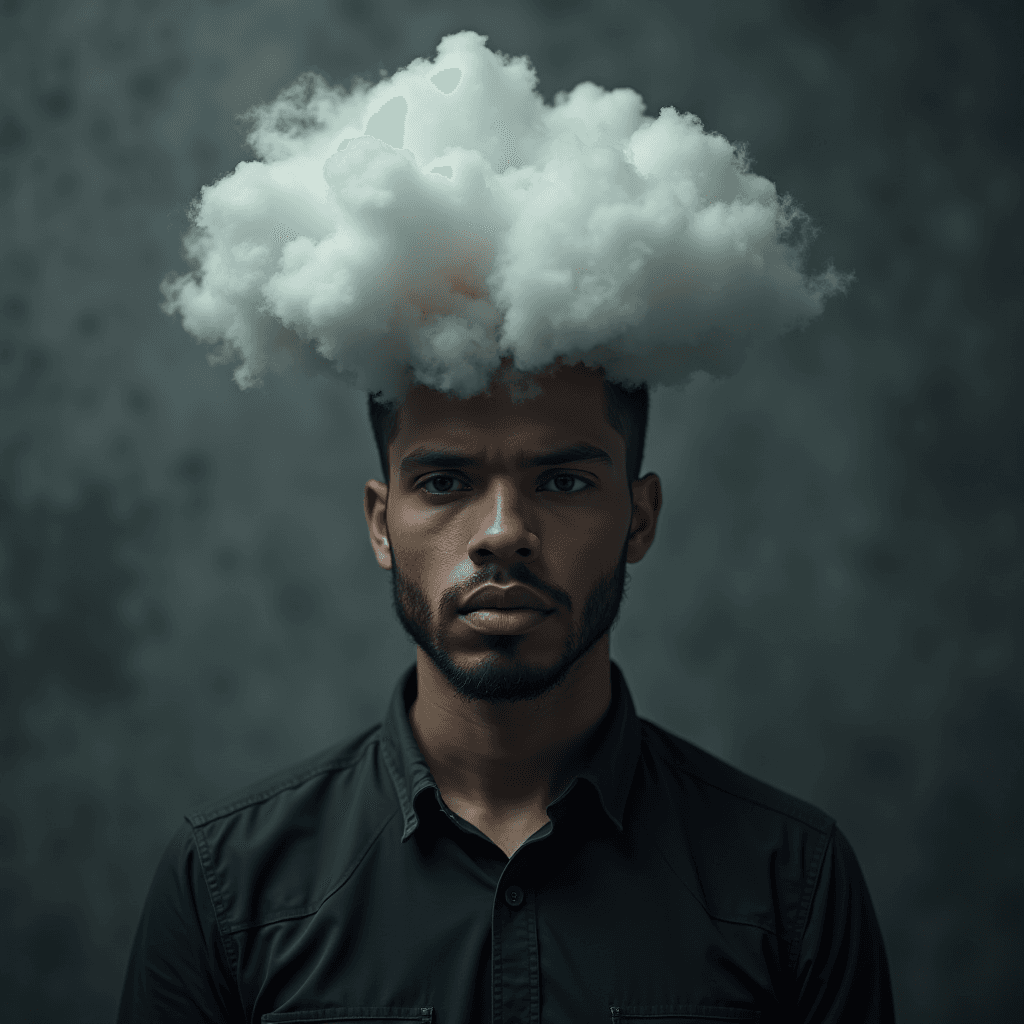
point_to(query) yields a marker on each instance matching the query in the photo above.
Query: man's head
(564, 529)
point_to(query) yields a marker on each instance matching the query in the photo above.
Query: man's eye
(445, 480)
(565, 483)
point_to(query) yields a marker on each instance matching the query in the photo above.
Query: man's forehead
(528, 434)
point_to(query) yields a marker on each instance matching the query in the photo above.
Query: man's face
(561, 530)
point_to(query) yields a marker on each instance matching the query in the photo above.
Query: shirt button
(514, 896)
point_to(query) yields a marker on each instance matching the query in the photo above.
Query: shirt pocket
(420, 1014)
(671, 1014)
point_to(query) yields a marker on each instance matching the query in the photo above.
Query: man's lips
(511, 598)
(504, 620)
(505, 611)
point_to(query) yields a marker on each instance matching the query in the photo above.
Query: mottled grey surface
(187, 595)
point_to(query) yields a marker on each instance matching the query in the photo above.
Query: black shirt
(667, 886)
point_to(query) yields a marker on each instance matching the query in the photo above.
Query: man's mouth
(504, 620)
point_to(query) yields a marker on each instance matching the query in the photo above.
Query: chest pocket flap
(347, 1014)
(669, 1014)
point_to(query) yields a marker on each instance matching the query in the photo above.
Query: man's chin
(500, 674)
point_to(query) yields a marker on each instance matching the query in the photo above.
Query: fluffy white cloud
(422, 228)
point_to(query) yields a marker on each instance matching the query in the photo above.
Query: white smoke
(422, 228)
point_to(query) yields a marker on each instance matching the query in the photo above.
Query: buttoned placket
(515, 958)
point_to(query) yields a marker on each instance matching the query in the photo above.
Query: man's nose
(504, 532)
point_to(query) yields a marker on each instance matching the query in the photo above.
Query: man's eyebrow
(443, 458)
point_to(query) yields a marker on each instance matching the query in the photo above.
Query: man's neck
(498, 760)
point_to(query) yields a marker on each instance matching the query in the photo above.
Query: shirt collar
(608, 762)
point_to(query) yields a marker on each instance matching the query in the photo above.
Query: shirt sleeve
(842, 973)
(178, 968)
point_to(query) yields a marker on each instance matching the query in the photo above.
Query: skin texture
(501, 719)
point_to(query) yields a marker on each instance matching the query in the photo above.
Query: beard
(499, 677)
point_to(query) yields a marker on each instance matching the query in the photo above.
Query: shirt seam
(821, 830)
(201, 818)
(206, 863)
(791, 812)
(312, 908)
(702, 903)
(807, 900)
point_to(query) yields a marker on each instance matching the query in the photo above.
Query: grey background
(188, 598)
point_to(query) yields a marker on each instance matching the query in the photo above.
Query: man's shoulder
(692, 766)
(280, 846)
(750, 852)
(291, 782)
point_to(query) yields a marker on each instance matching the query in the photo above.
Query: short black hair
(626, 408)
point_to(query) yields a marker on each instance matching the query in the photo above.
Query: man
(512, 843)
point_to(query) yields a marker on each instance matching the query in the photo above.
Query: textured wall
(187, 594)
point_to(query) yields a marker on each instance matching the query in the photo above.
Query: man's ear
(375, 503)
(646, 507)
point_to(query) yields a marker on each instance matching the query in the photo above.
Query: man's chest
(565, 935)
